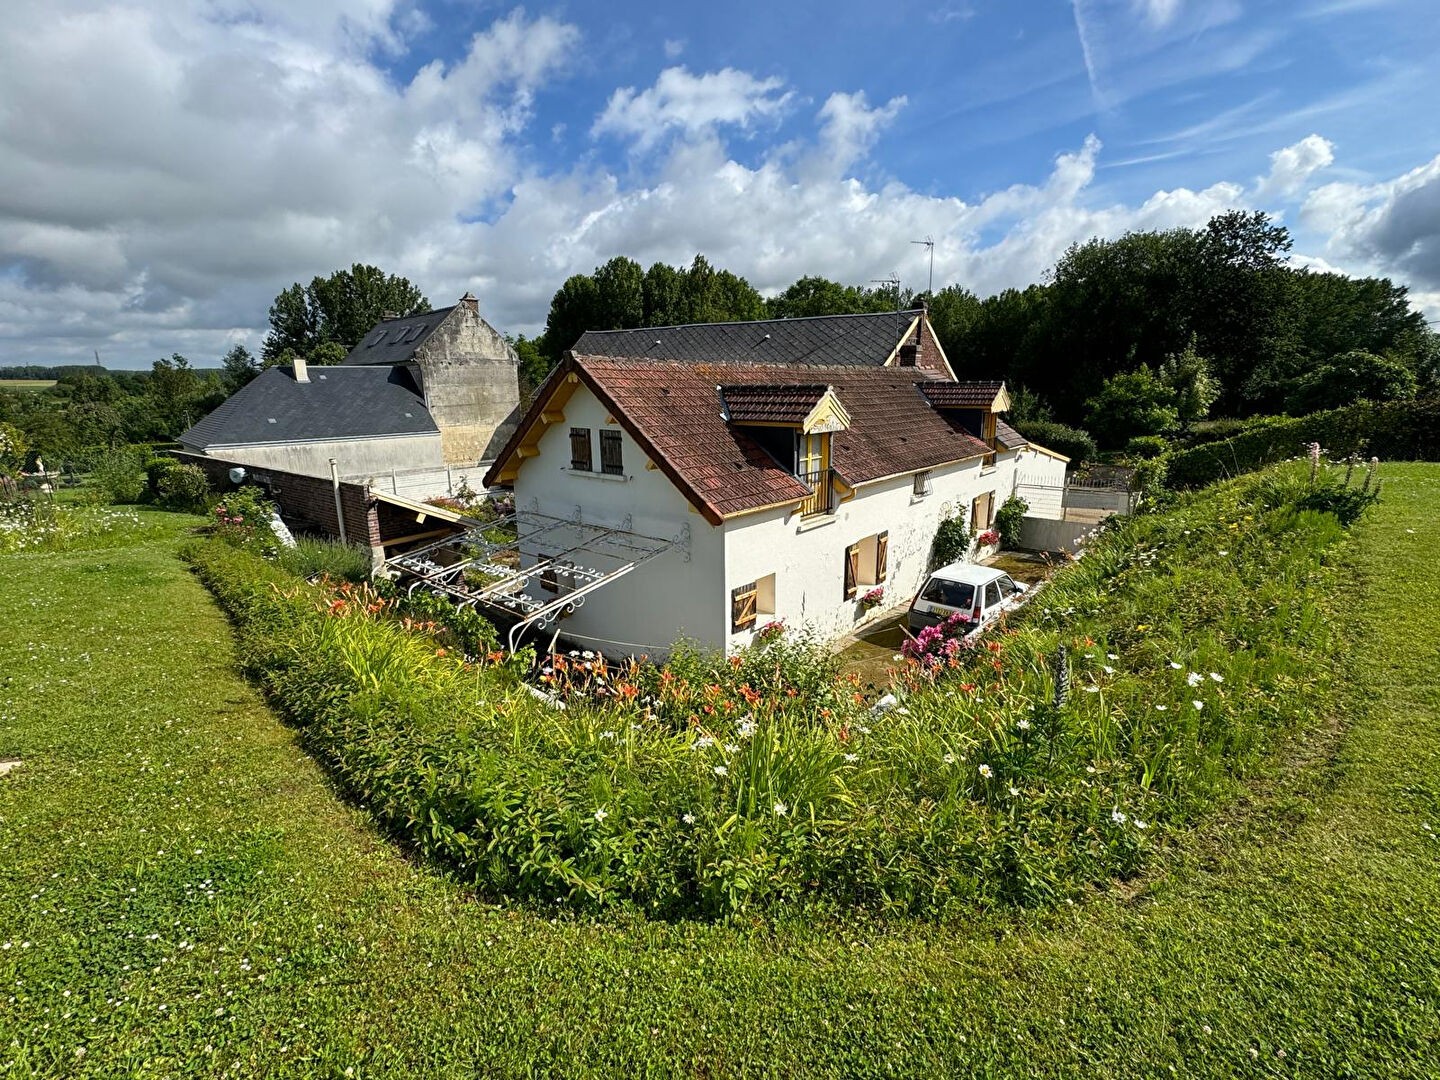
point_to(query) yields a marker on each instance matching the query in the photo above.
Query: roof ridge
(912, 312)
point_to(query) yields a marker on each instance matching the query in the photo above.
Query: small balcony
(823, 499)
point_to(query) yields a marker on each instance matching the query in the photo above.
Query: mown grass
(1305, 922)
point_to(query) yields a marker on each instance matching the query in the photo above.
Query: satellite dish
(237, 475)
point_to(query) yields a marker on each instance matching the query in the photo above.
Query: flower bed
(711, 786)
(40, 524)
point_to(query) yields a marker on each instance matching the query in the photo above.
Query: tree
(811, 296)
(1129, 404)
(533, 365)
(240, 366)
(339, 310)
(1191, 383)
(1350, 377)
(173, 391)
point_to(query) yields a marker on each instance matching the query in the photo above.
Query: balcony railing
(823, 500)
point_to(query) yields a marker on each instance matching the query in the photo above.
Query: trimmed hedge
(1390, 430)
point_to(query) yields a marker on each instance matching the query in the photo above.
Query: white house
(793, 466)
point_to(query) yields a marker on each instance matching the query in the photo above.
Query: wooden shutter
(580, 449)
(852, 570)
(742, 608)
(882, 556)
(610, 461)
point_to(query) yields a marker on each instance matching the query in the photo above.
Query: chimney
(471, 302)
(302, 372)
(909, 353)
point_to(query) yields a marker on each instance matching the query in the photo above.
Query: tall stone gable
(471, 380)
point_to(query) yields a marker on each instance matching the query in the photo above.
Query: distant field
(26, 384)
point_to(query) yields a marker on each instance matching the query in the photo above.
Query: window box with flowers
(872, 599)
(988, 538)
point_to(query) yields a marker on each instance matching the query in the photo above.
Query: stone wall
(471, 380)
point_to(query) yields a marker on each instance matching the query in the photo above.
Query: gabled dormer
(794, 424)
(974, 406)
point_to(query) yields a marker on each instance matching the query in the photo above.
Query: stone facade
(470, 377)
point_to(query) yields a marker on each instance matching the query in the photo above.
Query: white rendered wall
(352, 456)
(807, 559)
(658, 603)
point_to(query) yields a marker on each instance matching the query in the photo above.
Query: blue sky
(166, 168)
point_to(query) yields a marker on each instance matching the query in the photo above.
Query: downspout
(339, 509)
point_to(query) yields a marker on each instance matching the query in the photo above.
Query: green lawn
(182, 894)
(26, 384)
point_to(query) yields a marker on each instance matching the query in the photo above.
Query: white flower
(1194, 678)
(1205, 1028)
(704, 742)
(587, 655)
(607, 734)
(1176, 666)
(1140, 824)
(897, 658)
(1217, 677)
(573, 652)
(985, 772)
(601, 814)
(1090, 769)
(1117, 816)
(731, 748)
(1014, 791)
(781, 809)
(688, 819)
(721, 770)
(1112, 656)
(1161, 708)
(1198, 705)
(1023, 724)
(852, 757)
(949, 759)
(1223, 553)
(746, 726)
(1092, 689)
(1108, 670)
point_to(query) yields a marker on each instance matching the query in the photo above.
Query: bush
(183, 487)
(120, 476)
(1391, 430)
(951, 542)
(714, 786)
(312, 556)
(1074, 443)
(1009, 520)
(242, 520)
(1147, 446)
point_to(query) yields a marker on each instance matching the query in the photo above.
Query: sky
(167, 168)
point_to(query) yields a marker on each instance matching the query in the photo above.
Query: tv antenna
(929, 242)
(893, 282)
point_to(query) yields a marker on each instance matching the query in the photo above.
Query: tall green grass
(715, 786)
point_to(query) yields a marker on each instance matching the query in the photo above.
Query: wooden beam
(417, 536)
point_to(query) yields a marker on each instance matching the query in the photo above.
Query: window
(922, 483)
(992, 595)
(866, 563)
(1007, 588)
(749, 602)
(956, 594)
(610, 461)
(982, 512)
(580, 449)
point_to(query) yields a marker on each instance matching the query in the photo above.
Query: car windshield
(956, 594)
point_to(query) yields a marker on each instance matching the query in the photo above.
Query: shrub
(1131, 403)
(242, 520)
(183, 487)
(1009, 520)
(712, 786)
(119, 474)
(1074, 443)
(313, 555)
(1147, 446)
(952, 541)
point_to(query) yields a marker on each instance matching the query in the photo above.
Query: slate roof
(822, 341)
(673, 410)
(394, 341)
(1008, 437)
(337, 403)
(771, 404)
(962, 395)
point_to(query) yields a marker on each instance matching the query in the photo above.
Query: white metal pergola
(581, 558)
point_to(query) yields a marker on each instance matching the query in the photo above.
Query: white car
(980, 593)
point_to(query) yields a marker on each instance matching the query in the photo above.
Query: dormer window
(794, 424)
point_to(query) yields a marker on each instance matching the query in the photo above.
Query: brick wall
(307, 503)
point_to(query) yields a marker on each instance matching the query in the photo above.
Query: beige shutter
(852, 570)
(742, 608)
(882, 556)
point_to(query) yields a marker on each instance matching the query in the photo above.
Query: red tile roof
(771, 404)
(963, 395)
(673, 410)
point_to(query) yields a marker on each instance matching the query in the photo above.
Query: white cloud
(849, 127)
(693, 104)
(1292, 167)
(1391, 227)
(673, 48)
(1158, 12)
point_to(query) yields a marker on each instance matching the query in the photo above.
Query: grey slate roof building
(337, 403)
(868, 340)
(395, 341)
